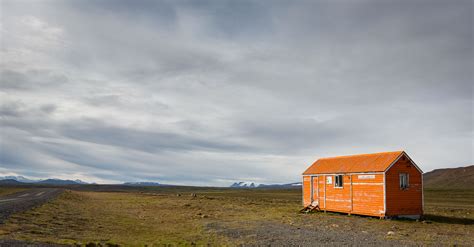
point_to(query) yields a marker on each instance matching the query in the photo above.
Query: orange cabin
(386, 184)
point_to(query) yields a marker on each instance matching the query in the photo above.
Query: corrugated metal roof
(377, 162)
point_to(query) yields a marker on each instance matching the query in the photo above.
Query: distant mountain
(450, 178)
(80, 181)
(22, 179)
(244, 185)
(10, 182)
(60, 181)
(142, 183)
(19, 179)
(254, 185)
(290, 185)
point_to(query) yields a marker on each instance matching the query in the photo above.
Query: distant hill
(244, 185)
(60, 181)
(23, 180)
(142, 183)
(19, 179)
(10, 182)
(450, 178)
(255, 185)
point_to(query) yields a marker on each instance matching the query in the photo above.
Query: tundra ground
(10, 190)
(20, 201)
(162, 215)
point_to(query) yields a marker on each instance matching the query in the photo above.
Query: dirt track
(25, 200)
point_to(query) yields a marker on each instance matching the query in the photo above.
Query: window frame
(406, 184)
(341, 181)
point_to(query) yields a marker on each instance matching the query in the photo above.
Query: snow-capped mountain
(244, 185)
(60, 181)
(80, 181)
(255, 185)
(19, 179)
(22, 179)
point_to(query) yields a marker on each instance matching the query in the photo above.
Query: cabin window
(338, 181)
(404, 180)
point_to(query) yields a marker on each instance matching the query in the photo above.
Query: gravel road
(25, 200)
(304, 234)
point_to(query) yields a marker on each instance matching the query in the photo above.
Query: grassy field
(8, 190)
(230, 217)
(450, 206)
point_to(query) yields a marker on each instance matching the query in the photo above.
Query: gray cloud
(209, 92)
(28, 80)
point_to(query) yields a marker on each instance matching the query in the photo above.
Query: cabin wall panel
(306, 190)
(404, 201)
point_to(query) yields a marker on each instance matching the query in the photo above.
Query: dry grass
(121, 218)
(9, 190)
(215, 215)
(450, 206)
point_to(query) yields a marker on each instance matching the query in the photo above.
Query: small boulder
(390, 233)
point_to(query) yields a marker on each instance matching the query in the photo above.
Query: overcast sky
(213, 92)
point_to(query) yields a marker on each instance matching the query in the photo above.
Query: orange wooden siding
(315, 189)
(368, 194)
(321, 181)
(306, 190)
(337, 199)
(404, 201)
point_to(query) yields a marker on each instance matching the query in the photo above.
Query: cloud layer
(211, 92)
